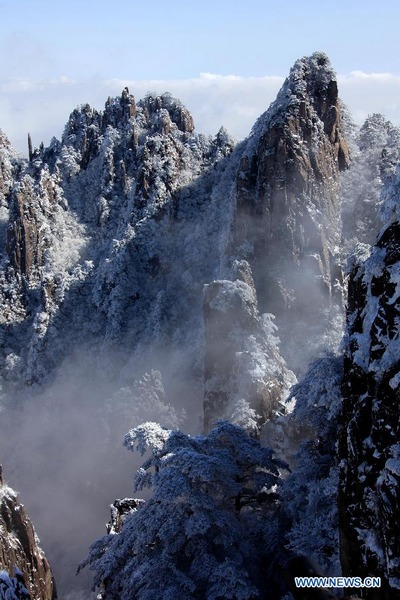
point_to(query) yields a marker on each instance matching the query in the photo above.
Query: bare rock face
(369, 438)
(19, 549)
(24, 243)
(287, 221)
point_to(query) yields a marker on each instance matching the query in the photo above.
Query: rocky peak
(119, 180)
(309, 97)
(19, 547)
(34, 202)
(157, 113)
(9, 171)
(82, 133)
(23, 236)
(119, 110)
(287, 221)
(159, 108)
(81, 119)
(312, 80)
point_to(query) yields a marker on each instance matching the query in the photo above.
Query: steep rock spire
(287, 222)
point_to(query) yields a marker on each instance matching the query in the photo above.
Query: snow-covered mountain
(150, 273)
(132, 213)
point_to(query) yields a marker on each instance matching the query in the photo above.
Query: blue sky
(56, 54)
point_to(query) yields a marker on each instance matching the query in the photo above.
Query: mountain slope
(105, 223)
(369, 434)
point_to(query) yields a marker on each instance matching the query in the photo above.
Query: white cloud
(370, 76)
(367, 93)
(42, 106)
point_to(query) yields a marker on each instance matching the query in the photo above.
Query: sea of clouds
(42, 106)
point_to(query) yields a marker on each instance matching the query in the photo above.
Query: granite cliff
(20, 554)
(287, 214)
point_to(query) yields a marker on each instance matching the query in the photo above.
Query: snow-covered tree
(140, 400)
(376, 152)
(206, 531)
(311, 491)
(369, 476)
(13, 588)
(247, 380)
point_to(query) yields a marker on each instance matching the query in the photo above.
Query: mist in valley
(61, 447)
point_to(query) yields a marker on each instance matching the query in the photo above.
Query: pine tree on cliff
(207, 530)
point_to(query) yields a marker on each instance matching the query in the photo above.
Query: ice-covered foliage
(375, 154)
(13, 588)
(143, 399)
(375, 346)
(259, 371)
(317, 395)
(311, 491)
(206, 530)
(126, 218)
(390, 207)
(369, 433)
(247, 380)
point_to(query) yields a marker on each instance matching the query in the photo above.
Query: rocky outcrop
(119, 510)
(8, 174)
(285, 242)
(165, 112)
(369, 438)
(287, 222)
(87, 126)
(19, 547)
(24, 243)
